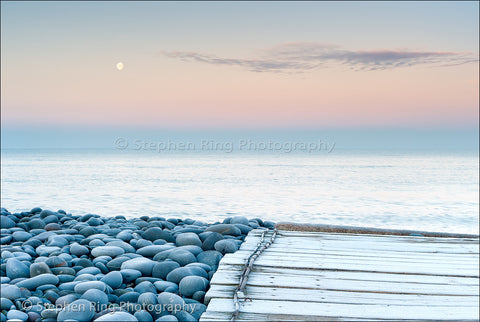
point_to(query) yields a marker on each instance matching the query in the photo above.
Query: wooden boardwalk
(312, 276)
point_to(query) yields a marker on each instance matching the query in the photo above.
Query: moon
(119, 65)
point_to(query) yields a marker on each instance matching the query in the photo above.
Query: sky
(239, 65)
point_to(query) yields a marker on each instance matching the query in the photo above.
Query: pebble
(16, 269)
(113, 279)
(191, 284)
(141, 264)
(17, 315)
(112, 251)
(226, 246)
(162, 269)
(85, 286)
(225, 229)
(117, 316)
(79, 310)
(188, 239)
(98, 298)
(34, 282)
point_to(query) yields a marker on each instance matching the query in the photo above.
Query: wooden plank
(317, 283)
(320, 255)
(347, 311)
(389, 238)
(366, 245)
(265, 261)
(327, 296)
(235, 270)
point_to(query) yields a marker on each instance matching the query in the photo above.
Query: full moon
(119, 65)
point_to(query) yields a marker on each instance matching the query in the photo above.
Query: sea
(420, 190)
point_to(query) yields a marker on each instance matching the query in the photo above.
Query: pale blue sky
(58, 63)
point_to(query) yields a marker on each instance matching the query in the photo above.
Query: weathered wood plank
(318, 283)
(461, 263)
(366, 245)
(235, 270)
(347, 311)
(327, 296)
(340, 264)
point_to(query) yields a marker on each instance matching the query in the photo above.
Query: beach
(57, 266)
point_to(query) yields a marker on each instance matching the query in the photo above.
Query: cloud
(305, 56)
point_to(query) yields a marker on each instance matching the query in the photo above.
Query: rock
(195, 250)
(98, 298)
(84, 262)
(16, 269)
(6, 222)
(63, 301)
(5, 304)
(88, 231)
(21, 236)
(188, 239)
(239, 220)
(226, 246)
(52, 227)
(34, 282)
(126, 247)
(17, 315)
(152, 250)
(36, 210)
(144, 265)
(178, 274)
(155, 233)
(191, 284)
(161, 286)
(199, 296)
(171, 302)
(182, 257)
(125, 235)
(210, 257)
(167, 318)
(43, 250)
(112, 251)
(184, 316)
(62, 270)
(162, 269)
(89, 270)
(244, 228)
(82, 287)
(116, 263)
(78, 250)
(144, 287)
(50, 219)
(79, 310)
(11, 292)
(50, 313)
(130, 275)
(225, 229)
(209, 242)
(147, 300)
(117, 316)
(55, 261)
(36, 224)
(113, 279)
(269, 224)
(130, 297)
(143, 316)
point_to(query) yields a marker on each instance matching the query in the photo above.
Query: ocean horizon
(394, 189)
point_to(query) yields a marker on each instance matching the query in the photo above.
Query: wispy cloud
(305, 56)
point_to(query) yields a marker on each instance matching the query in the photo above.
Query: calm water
(435, 192)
